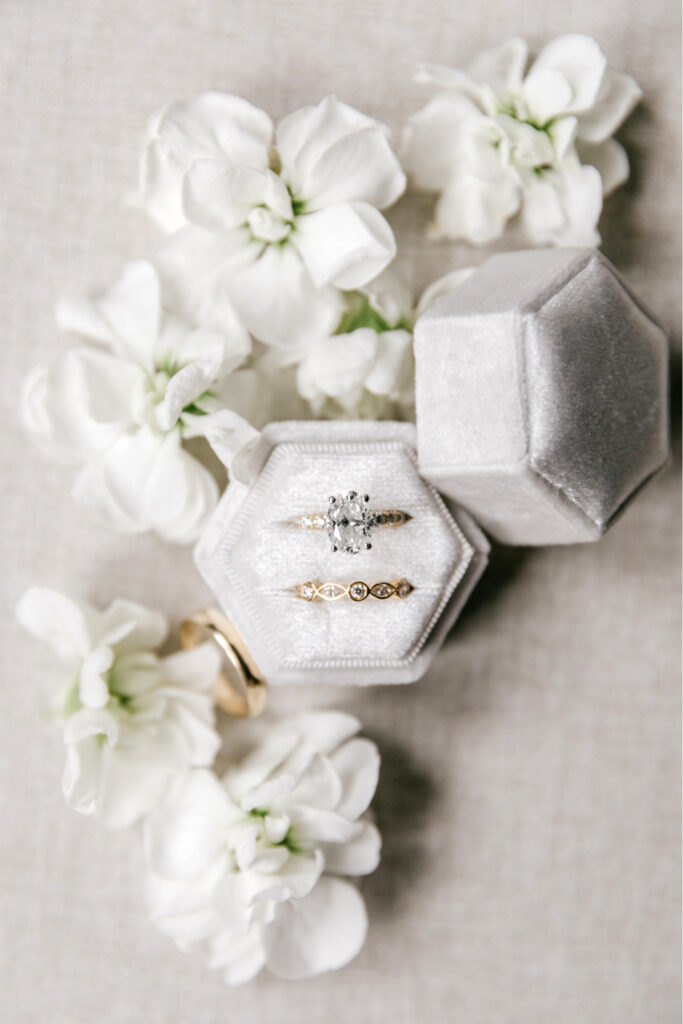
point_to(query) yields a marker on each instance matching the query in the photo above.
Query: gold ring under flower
(238, 687)
(356, 591)
(349, 521)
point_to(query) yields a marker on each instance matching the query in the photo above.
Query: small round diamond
(358, 591)
(403, 588)
(308, 591)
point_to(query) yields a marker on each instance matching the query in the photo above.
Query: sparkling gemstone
(348, 523)
(319, 522)
(358, 591)
(382, 590)
(308, 591)
(331, 591)
(305, 522)
(404, 588)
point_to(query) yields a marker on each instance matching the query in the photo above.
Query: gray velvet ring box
(254, 556)
(542, 395)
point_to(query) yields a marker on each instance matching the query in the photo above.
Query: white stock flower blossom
(496, 143)
(131, 720)
(277, 222)
(121, 407)
(366, 369)
(246, 867)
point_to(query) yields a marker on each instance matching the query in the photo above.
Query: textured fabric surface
(563, 378)
(529, 798)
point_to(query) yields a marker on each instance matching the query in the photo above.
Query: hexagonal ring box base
(254, 556)
(542, 395)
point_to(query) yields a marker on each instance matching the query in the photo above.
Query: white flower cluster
(246, 868)
(496, 142)
(269, 296)
(252, 868)
(131, 720)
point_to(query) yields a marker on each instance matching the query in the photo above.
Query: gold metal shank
(238, 688)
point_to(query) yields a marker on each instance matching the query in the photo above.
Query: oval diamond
(382, 590)
(331, 592)
(348, 523)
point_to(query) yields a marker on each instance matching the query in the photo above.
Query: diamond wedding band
(349, 522)
(357, 591)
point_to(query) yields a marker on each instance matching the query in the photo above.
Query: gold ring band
(356, 591)
(239, 689)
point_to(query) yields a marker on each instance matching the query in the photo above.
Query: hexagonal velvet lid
(266, 554)
(541, 395)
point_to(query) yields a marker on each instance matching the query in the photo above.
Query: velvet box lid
(542, 395)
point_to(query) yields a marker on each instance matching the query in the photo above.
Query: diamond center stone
(349, 523)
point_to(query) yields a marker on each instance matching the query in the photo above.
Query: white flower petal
(182, 910)
(475, 209)
(132, 309)
(432, 143)
(311, 826)
(81, 403)
(188, 832)
(391, 297)
(64, 624)
(337, 365)
(82, 776)
(241, 956)
(277, 301)
(132, 786)
(579, 59)
(92, 683)
(362, 166)
(393, 374)
(194, 264)
(86, 723)
(346, 245)
(618, 96)
(157, 485)
(236, 443)
(320, 933)
(293, 881)
(319, 786)
(501, 67)
(213, 126)
(132, 627)
(563, 134)
(360, 856)
(610, 160)
(562, 207)
(357, 766)
(219, 196)
(547, 93)
(303, 137)
(194, 669)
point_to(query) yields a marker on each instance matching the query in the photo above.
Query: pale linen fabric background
(530, 792)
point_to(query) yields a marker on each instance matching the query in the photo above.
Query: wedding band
(238, 688)
(349, 522)
(356, 591)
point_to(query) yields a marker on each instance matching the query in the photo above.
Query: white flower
(236, 866)
(132, 721)
(121, 409)
(366, 369)
(495, 143)
(276, 223)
